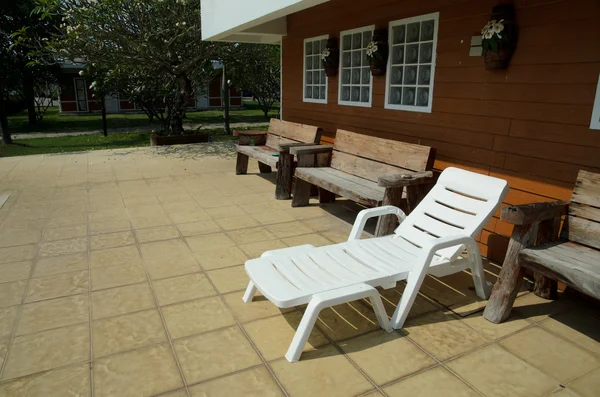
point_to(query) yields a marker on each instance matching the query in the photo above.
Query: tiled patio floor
(121, 275)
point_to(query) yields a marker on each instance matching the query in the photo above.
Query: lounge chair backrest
(461, 202)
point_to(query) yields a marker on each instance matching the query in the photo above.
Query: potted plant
(330, 57)
(377, 52)
(499, 38)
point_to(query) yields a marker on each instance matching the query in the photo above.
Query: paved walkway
(32, 135)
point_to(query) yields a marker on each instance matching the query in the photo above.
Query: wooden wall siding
(528, 124)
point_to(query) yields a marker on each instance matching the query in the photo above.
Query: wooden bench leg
(283, 188)
(511, 276)
(301, 195)
(388, 223)
(325, 196)
(264, 168)
(241, 166)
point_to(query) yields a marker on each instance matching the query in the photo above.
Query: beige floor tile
(260, 307)
(588, 385)
(14, 237)
(254, 382)
(109, 226)
(488, 370)
(229, 279)
(60, 264)
(116, 276)
(164, 248)
(15, 271)
(17, 254)
(182, 288)
(214, 354)
(443, 335)
(579, 326)
(64, 247)
(65, 232)
(314, 239)
(207, 242)
(53, 313)
(200, 315)
(156, 234)
(170, 266)
(222, 257)
(255, 250)
(271, 217)
(289, 229)
(57, 285)
(46, 350)
(12, 293)
(111, 240)
(251, 235)
(224, 212)
(115, 301)
(120, 256)
(272, 336)
(200, 227)
(127, 332)
(9, 318)
(237, 222)
(432, 383)
(72, 381)
(495, 331)
(563, 360)
(347, 320)
(385, 357)
(143, 372)
(321, 372)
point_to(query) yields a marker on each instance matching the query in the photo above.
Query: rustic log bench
(271, 150)
(573, 257)
(369, 170)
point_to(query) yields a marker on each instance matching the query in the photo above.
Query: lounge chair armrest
(405, 179)
(536, 212)
(311, 149)
(364, 215)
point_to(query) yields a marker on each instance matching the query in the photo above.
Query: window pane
(422, 96)
(410, 75)
(412, 32)
(398, 34)
(398, 55)
(412, 53)
(408, 96)
(426, 53)
(396, 75)
(427, 28)
(424, 74)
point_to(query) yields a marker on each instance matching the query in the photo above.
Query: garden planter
(332, 62)
(157, 140)
(378, 62)
(498, 60)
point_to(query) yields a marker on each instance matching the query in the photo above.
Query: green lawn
(79, 143)
(55, 122)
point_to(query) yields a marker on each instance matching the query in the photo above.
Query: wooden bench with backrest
(369, 170)
(272, 150)
(571, 257)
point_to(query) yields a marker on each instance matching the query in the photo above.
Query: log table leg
(283, 186)
(511, 276)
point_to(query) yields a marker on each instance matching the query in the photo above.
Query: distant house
(75, 96)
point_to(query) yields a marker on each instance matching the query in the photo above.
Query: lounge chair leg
(250, 291)
(483, 289)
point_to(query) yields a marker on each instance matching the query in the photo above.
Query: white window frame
(422, 109)
(368, 104)
(304, 98)
(595, 121)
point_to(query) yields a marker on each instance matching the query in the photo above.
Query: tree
(160, 38)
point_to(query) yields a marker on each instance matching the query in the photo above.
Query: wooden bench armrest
(311, 149)
(405, 179)
(249, 133)
(529, 213)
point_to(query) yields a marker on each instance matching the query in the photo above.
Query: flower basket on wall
(330, 57)
(377, 52)
(499, 37)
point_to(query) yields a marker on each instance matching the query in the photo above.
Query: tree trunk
(104, 129)
(29, 97)
(225, 100)
(180, 105)
(6, 138)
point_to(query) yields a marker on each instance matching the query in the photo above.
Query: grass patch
(55, 122)
(81, 143)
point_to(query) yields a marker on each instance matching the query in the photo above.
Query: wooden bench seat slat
(344, 184)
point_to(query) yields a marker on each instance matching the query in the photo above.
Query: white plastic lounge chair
(431, 239)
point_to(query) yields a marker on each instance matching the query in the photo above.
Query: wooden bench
(368, 170)
(573, 257)
(271, 150)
